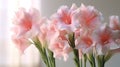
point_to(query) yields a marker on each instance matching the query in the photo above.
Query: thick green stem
(93, 64)
(101, 61)
(91, 59)
(51, 58)
(76, 57)
(42, 51)
(43, 54)
(81, 62)
(85, 59)
(84, 64)
(101, 64)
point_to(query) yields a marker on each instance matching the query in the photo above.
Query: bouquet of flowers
(80, 30)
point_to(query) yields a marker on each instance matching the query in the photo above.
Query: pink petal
(114, 22)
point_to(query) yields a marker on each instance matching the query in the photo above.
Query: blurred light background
(10, 56)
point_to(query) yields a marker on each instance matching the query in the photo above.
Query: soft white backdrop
(9, 54)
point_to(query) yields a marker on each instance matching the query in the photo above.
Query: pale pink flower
(103, 39)
(65, 18)
(57, 41)
(52, 32)
(60, 49)
(62, 23)
(89, 17)
(28, 22)
(84, 43)
(21, 42)
(25, 26)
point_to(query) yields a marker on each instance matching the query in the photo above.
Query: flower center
(66, 18)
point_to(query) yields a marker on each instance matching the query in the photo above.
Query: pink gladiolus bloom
(103, 39)
(62, 23)
(104, 35)
(83, 40)
(59, 45)
(60, 49)
(84, 43)
(26, 25)
(89, 17)
(65, 18)
(27, 21)
(21, 42)
(57, 41)
(52, 32)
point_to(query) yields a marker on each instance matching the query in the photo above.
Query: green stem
(85, 59)
(94, 64)
(84, 64)
(100, 64)
(42, 51)
(76, 57)
(91, 59)
(101, 61)
(51, 59)
(81, 62)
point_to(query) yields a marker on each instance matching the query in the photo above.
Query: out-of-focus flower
(28, 22)
(21, 42)
(115, 26)
(26, 25)
(103, 39)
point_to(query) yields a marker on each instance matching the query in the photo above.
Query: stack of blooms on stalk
(80, 30)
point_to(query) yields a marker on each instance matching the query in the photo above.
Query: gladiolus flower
(89, 17)
(60, 49)
(26, 25)
(103, 39)
(65, 18)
